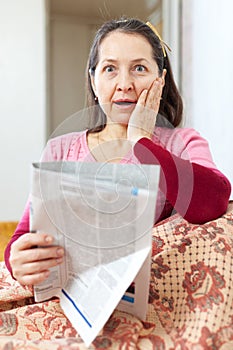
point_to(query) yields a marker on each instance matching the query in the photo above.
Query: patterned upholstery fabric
(190, 305)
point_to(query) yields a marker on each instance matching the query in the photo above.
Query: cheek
(145, 84)
(104, 92)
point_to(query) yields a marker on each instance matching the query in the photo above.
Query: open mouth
(125, 103)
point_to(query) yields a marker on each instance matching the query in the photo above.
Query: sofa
(190, 304)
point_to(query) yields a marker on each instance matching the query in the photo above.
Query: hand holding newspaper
(102, 214)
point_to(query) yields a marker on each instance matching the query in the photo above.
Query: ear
(163, 76)
(92, 78)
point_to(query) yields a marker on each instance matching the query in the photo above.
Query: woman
(130, 84)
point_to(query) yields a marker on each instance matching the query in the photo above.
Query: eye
(140, 68)
(109, 69)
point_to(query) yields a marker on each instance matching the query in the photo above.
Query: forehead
(118, 44)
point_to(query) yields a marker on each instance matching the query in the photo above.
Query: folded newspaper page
(102, 214)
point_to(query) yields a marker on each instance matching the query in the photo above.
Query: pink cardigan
(189, 182)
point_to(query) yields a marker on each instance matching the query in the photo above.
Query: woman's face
(125, 68)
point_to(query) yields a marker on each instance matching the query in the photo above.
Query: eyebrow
(112, 60)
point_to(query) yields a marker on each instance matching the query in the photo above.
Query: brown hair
(171, 105)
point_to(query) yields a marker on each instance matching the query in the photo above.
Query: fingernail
(60, 252)
(59, 260)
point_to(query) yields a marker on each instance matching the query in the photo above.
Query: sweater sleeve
(198, 193)
(21, 229)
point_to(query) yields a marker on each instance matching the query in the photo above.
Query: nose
(124, 82)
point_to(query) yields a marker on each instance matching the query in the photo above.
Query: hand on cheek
(143, 119)
(154, 95)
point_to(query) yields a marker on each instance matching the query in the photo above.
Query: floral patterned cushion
(190, 304)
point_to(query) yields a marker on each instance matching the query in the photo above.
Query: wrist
(134, 138)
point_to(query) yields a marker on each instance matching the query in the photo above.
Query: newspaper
(102, 214)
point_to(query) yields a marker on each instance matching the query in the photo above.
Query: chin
(122, 118)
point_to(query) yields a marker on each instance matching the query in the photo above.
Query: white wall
(172, 35)
(210, 77)
(70, 41)
(23, 100)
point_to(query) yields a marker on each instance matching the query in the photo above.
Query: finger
(155, 91)
(33, 279)
(36, 254)
(29, 240)
(43, 253)
(154, 95)
(139, 108)
(142, 98)
(38, 266)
